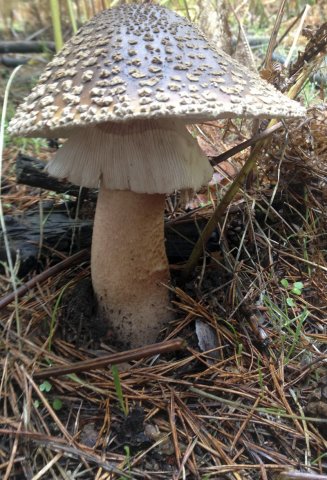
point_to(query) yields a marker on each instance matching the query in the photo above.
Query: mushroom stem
(129, 265)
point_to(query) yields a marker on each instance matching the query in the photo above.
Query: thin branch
(247, 143)
(115, 358)
(68, 262)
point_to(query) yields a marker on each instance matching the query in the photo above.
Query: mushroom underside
(143, 156)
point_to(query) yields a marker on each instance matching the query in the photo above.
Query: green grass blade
(119, 391)
(56, 24)
(72, 15)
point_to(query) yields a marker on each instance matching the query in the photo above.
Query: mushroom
(122, 90)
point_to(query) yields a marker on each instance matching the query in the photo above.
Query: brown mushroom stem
(129, 265)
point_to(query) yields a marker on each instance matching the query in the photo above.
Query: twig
(247, 143)
(26, 47)
(68, 262)
(127, 356)
(11, 62)
(31, 171)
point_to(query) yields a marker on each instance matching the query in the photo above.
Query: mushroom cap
(143, 62)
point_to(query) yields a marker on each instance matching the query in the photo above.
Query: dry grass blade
(12, 456)
(274, 34)
(47, 467)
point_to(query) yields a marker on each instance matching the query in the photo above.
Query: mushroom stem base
(129, 265)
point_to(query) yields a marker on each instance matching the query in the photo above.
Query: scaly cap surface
(143, 62)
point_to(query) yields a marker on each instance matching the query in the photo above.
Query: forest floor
(247, 397)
